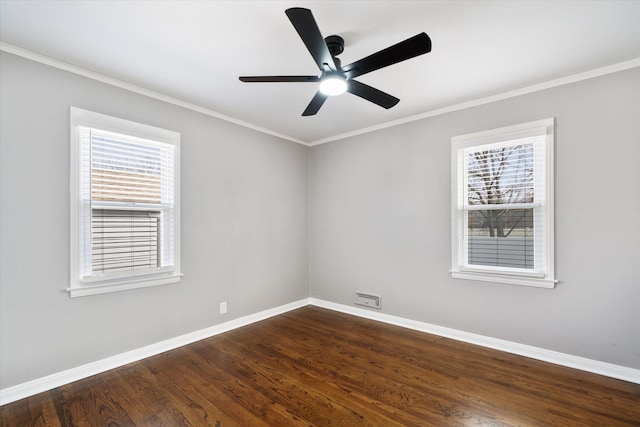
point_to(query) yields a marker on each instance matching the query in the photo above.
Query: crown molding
(609, 69)
(36, 57)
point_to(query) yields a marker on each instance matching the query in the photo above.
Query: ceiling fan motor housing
(335, 44)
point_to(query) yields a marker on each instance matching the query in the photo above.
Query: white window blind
(124, 240)
(502, 204)
(128, 228)
(131, 202)
(501, 213)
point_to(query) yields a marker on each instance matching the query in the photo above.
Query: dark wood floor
(315, 367)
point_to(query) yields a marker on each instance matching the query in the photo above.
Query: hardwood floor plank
(426, 404)
(316, 367)
(15, 414)
(157, 397)
(134, 389)
(308, 395)
(42, 411)
(372, 376)
(193, 410)
(321, 379)
(208, 403)
(211, 361)
(490, 372)
(69, 406)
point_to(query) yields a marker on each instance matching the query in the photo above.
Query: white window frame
(83, 286)
(543, 275)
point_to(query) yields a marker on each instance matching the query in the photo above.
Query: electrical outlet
(223, 307)
(367, 300)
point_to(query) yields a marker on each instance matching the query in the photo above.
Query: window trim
(546, 277)
(92, 286)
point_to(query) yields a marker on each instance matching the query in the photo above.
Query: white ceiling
(194, 51)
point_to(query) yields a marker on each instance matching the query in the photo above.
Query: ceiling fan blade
(372, 94)
(304, 23)
(407, 49)
(276, 79)
(315, 104)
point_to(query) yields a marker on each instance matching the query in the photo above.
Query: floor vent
(367, 300)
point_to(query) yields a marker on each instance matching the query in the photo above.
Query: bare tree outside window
(500, 229)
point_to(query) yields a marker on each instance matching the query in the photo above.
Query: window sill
(501, 278)
(86, 290)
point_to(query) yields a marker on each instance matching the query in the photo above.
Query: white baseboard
(562, 359)
(20, 391)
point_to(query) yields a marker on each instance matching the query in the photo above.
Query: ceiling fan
(336, 79)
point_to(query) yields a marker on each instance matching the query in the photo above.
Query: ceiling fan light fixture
(335, 79)
(333, 85)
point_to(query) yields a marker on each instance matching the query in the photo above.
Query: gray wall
(244, 226)
(380, 223)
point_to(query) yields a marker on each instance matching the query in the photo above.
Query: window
(502, 205)
(125, 204)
